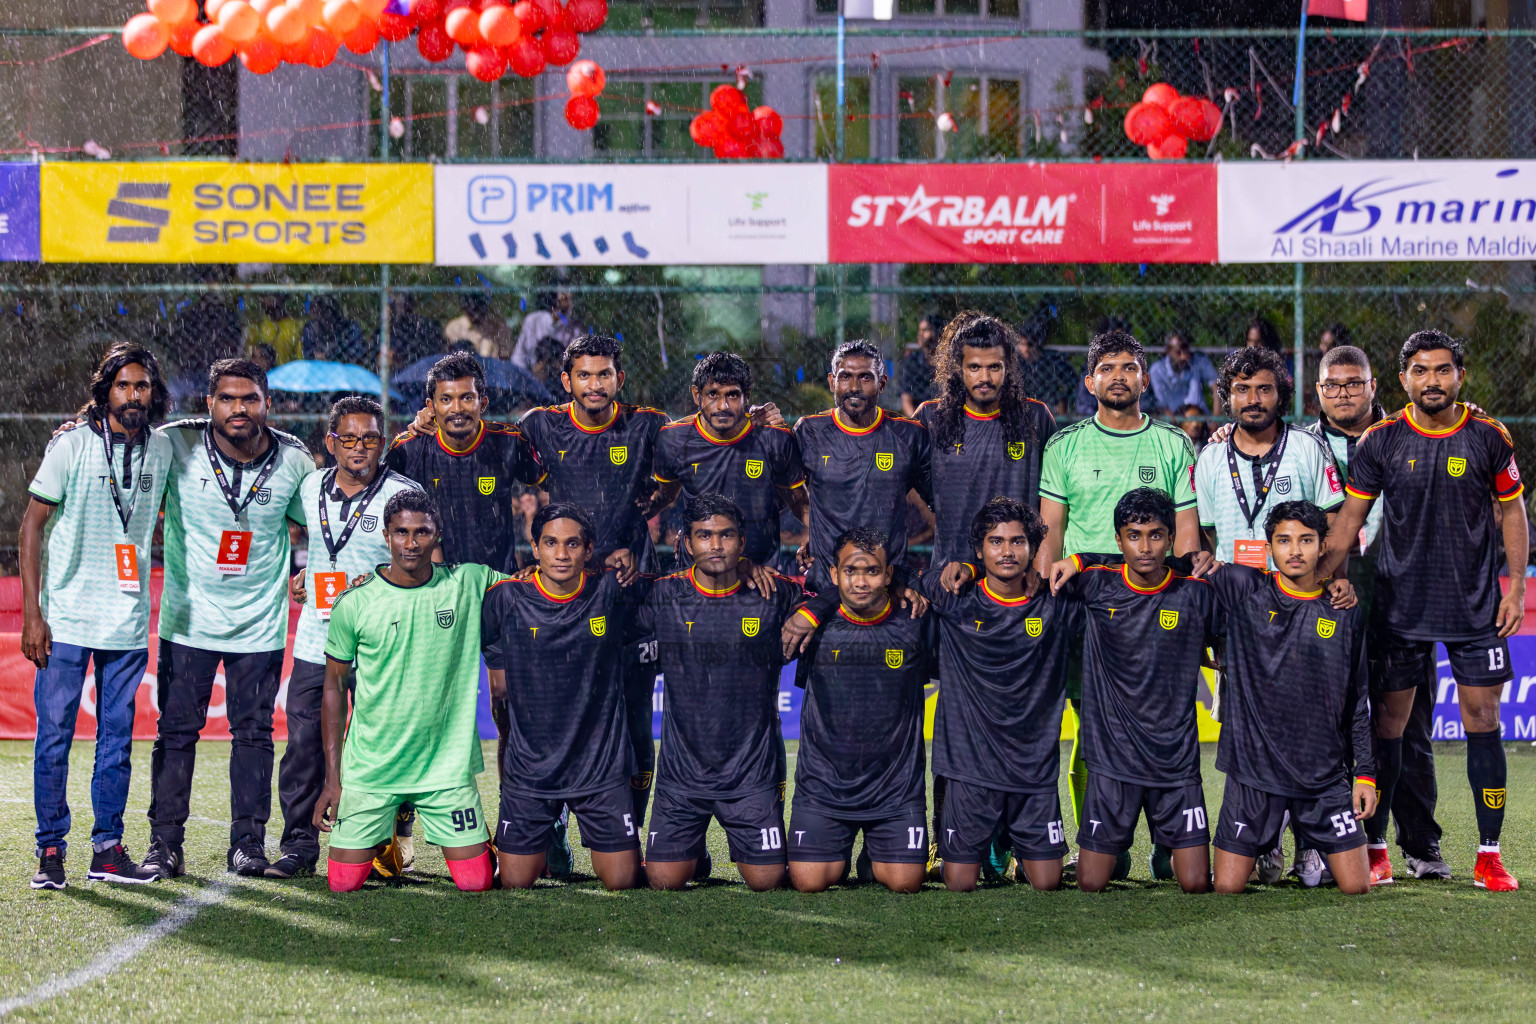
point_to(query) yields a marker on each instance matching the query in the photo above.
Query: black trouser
(301, 774)
(184, 684)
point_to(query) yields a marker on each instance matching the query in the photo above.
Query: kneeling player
(554, 647)
(861, 730)
(1296, 710)
(413, 628)
(717, 641)
(1146, 632)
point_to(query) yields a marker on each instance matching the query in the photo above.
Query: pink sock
(346, 877)
(472, 875)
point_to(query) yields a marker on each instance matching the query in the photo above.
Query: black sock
(1486, 770)
(1389, 765)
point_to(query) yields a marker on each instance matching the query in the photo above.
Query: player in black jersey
(555, 647)
(1295, 727)
(723, 450)
(1146, 635)
(1440, 471)
(860, 464)
(861, 730)
(717, 641)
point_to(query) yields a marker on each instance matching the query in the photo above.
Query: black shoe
(114, 865)
(248, 858)
(864, 868)
(290, 865)
(165, 860)
(50, 870)
(703, 867)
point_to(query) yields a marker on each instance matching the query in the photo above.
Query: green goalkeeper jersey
(417, 651)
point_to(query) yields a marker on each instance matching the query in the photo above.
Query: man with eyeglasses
(346, 540)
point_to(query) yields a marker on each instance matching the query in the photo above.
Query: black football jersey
(861, 725)
(983, 466)
(1141, 672)
(749, 469)
(473, 489)
(565, 690)
(1295, 712)
(1437, 570)
(720, 653)
(606, 470)
(860, 477)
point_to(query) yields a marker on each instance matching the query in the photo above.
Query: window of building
(856, 131)
(988, 114)
(443, 114)
(627, 130)
(942, 8)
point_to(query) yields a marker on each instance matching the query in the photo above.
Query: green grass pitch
(257, 950)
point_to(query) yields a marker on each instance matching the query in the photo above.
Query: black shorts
(607, 821)
(1398, 663)
(754, 826)
(1031, 823)
(1175, 815)
(1251, 820)
(817, 836)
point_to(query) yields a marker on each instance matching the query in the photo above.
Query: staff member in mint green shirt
(85, 598)
(234, 484)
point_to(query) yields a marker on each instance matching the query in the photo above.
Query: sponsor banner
(237, 213)
(603, 215)
(1023, 213)
(20, 203)
(1332, 211)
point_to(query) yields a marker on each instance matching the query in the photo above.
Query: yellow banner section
(237, 213)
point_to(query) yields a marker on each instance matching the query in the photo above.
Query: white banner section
(1318, 211)
(596, 214)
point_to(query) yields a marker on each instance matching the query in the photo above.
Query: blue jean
(56, 694)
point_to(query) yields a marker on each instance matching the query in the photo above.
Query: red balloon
(486, 63)
(321, 48)
(362, 39)
(424, 12)
(769, 122)
(730, 149)
(1174, 147)
(586, 79)
(581, 112)
(554, 14)
(741, 126)
(1162, 94)
(586, 15)
(706, 130)
(531, 17)
(182, 36)
(433, 42)
(724, 99)
(526, 57)
(560, 46)
(1147, 124)
(463, 26)
(1211, 115)
(146, 36)
(261, 56)
(498, 25)
(211, 47)
(771, 147)
(395, 27)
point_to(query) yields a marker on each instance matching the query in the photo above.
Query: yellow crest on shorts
(893, 659)
(1455, 466)
(1493, 798)
(1325, 628)
(599, 625)
(1015, 450)
(749, 627)
(884, 461)
(1034, 626)
(1168, 618)
(754, 468)
(618, 454)
(487, 484)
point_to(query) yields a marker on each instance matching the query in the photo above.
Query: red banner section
(1022, 213)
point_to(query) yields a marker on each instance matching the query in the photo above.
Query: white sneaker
(1309, 868)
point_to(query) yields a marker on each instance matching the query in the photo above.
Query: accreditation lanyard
(114, 487)
(1274, 455)
(237, 505)
(333, 547)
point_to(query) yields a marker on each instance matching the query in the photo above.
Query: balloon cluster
(495, 35)
(734, 130)
(586, 81)
(1166, 123)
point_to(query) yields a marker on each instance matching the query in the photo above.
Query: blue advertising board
(20, 212)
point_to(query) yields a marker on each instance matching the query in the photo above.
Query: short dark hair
(1113, 342)
(563, 510)
(722, 368)
(455, 366)
(1343, 355)
(859, 347)
(863, 538)
(354, 405)
(1268, 336)
(412, 500)
(1246, 362)
(1340, 332)
(598, 345)
(1428, 341)
(1007, 510)
(1146, 505)
(1303, 512)
(117, 357)
(242, 368)
(707, 505)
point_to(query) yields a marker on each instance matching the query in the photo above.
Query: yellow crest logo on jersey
(754, 468)
(1325, 628)
(1034, 626)
(1168, 618)
(884, 461)
(599, 625)
(1493, 798)
(749, 627)
(1015, 450)
(1455, 466)
(487, 484)
(618, 454)
(893, 659)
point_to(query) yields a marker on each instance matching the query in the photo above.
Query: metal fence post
(384, 353)
(1299, 301)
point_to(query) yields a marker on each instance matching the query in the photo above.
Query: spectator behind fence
(547, 363)
(411, 337)
(1182, 377)
(207, 330)
(276, 329)
(331, 334)
(1191, 420)
(555, 317)
(1048, 376)
(263, 355)
(481, 327)
(917, 365)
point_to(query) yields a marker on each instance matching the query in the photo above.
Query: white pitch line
(178, 918)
